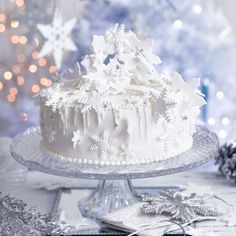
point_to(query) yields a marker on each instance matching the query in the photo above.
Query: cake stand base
(110, 195)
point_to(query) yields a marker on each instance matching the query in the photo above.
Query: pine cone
(226, 159)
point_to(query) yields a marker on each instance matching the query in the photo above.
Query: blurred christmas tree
(22, 73)
(194, 41)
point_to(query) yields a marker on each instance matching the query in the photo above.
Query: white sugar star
(57, 37)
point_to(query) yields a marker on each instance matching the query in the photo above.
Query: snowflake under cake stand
(114, 190)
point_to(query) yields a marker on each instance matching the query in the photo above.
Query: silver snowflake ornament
(57, 37)
(184, 208)
(16, 218)
(103, 144)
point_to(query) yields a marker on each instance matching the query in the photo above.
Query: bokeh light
(22, 40)
(20, 80)
(211, 121)
(1, 85)
(220, 95)
(14, 39)
(15, 23)
(2, 17)
(8, 75)
(21, 58)
(13, 91)
(2, 28)
(32, 68)
(20, 3)
(34, 54)
(52, 69)
(35, 88)
(42, 62)
(16, 69)
(11, 98)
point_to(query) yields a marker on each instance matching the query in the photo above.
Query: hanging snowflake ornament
(184, 208)
(57, 37)
(76, 138)
(103, 144)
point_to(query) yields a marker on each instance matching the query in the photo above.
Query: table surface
(40, 190)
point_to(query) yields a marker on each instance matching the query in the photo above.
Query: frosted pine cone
(226, 159)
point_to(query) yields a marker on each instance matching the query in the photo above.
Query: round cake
(120, 110)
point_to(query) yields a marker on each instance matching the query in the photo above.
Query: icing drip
(145, 121)
(66, 118)
(139, 123)
(129, 131)
(61, 120)
(99, 118)
(75, 115)
(87, 119)
(84, 121)
(116, 116)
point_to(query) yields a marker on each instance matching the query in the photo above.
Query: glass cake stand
(114, 190)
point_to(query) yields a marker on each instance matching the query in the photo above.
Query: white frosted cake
(120, 110)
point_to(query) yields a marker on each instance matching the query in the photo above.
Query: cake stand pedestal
(114, 190)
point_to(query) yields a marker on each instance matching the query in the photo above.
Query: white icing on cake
(120, 111)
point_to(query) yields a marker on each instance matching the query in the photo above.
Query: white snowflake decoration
(103, 144)
(57, 37)
(96, 102)
(162, 105)
(126, 56)
(76, 139)
(190, 89)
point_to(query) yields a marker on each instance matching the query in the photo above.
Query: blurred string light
(1, 85)
(20, 80)
(20, 4)
(222, 133)
(15, 24)
(35, 88)
(8, 75)
(2, 28)
(197, 9)
(225, 121)
(211, 121)
(220, 95)
(178, 24)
